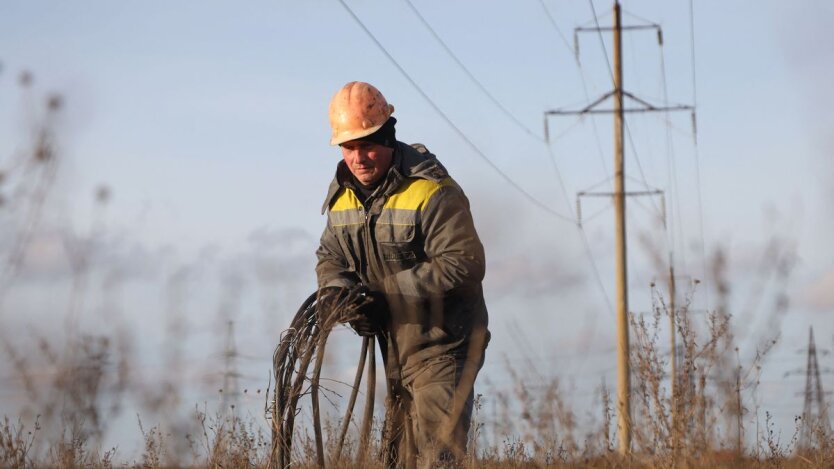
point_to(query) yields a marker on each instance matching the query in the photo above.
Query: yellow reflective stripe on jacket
(415, 194)
(346, 200)
(346, 209)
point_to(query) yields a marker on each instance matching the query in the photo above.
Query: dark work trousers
(429, 415)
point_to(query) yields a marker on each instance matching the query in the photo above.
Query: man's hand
(364, 310)
(370, 315)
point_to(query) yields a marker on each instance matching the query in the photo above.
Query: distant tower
(230, 372)
(815, 425)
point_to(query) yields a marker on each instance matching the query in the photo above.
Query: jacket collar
(410, 161)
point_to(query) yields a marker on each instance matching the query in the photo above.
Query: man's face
(368, 162)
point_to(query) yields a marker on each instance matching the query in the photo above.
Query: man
(401, 227)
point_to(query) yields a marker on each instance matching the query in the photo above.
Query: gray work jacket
(414, 241)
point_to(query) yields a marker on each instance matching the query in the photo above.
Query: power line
(697, 152)
(639, 18)
(472, 77)
(602, 41)
(555, 26)
(585, 243)
(626, 125)
(611, 73)
(483, 88)
(510, 115)
(672, 167)
(692, 51)
(460, 133)
(639, 164)
(581, 71)
(530, 198)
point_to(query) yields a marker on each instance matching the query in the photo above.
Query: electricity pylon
(815, 425)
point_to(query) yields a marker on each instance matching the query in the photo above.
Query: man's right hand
(371, 314)
(366, 309)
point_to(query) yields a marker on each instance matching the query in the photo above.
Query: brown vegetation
(700, 424)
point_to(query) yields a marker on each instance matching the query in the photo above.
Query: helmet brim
(355, 135)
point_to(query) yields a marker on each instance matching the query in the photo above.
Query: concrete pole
(623, 368)
(673, 372)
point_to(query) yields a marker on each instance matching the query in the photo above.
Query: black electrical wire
(302, 345)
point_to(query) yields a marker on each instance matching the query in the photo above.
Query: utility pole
(620, 259)
(618, 95)
(673, 357)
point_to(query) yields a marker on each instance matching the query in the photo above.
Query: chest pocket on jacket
(397, 243)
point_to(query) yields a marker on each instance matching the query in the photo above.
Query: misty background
(182, 208)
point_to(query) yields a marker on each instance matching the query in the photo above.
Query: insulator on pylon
(694, 128)
(663, 208)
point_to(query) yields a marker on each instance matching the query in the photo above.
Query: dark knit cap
(385, 135)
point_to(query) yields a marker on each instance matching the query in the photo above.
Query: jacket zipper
(367, 228)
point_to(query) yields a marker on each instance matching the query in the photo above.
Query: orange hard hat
(357, 110)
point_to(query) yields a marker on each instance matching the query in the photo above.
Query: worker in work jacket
(398, 224)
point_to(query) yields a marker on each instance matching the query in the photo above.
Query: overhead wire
(638, 18)
(555, 26)
(486, 92)
(594, 215)
(633, 147)
(648, 210)
(679, 130)
(529, 197)
(677, 222)
(602, 41)
(626, 125)
(697, 152)
(490, 96)
(634, 122)
(583, 234)
(626, 122)
(585, 243)
(611, 74)
(581, 70)
(471, 76)
(572, 219)
(463, 136)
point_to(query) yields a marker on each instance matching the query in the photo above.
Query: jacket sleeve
(332, 269)
(455, 255)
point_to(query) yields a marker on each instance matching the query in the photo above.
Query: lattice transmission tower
(815, 425)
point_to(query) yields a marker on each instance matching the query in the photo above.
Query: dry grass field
(699, 426)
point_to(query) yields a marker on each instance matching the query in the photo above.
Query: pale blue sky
(208, 121)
